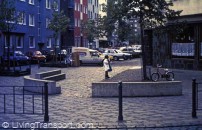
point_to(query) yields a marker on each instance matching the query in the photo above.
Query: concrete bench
(42, 75)
(56, 77)
(137, 89)
(37, 83)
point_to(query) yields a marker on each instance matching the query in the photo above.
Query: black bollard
(120, 117)
(46, 116)
(194, 98)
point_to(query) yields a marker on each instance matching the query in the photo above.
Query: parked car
(116, 54)
(36, 56)
(17, 57)
(129, 50)
(102, 55)
(137, 49)
(126, 55)
(49, 55)
(62, 55)
(88, 56)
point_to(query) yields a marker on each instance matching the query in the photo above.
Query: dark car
(49, 55)
(62, 55)
(36, 56)
(17, 57)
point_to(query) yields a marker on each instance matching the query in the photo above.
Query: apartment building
(93, 9)
(80, 15)
(31, 32)
(67, 37)
(93, 13)
(101, 2)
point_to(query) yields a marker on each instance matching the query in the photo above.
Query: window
(22, 18)
(31, 42)
(81, 9)
(47, 22)
(31, 2)
(19, 41)
(79, 23)
(49, 42)
(93, 8)
(78, 7)
(55, 5)
(7, 40)
(82, 54)
(48, 4)
(75, 22)
(88, 14)
(183, 49)
(31, 20)
(75, 6)
(39, 32)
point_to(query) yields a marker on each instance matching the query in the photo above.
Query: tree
(116, 23)
(58, 24)
(151, 14)
(8, 20)
(94, 28)
(90, 28)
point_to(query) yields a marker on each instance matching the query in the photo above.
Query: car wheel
(80, 62)
(116, 58)
(125, 57)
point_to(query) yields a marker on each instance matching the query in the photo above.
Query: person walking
(107, 66)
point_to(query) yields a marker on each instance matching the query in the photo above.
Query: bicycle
(168, 75)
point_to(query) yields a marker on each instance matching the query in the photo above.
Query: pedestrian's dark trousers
(106, 74)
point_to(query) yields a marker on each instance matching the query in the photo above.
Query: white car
(88, 56)
(117, 54)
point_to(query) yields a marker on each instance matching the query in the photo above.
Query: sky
(188, 6)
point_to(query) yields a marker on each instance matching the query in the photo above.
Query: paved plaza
(75, 105)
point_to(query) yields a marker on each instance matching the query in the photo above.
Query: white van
(88, 56)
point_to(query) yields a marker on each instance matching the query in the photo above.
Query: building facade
(93, 9)
(174, 49)
(67, 37)
(31, 32)
(80, 15)
(93, 14)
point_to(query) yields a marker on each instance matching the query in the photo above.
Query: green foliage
(151, 13)
(8, 17)
(90, 29)
(58, 23)
(94, 28)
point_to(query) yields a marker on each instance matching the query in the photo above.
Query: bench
(42, 75)
(137, 89)
(37, 83)
(56, 77)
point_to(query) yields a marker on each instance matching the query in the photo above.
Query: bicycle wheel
(155, 77)
(170, 76)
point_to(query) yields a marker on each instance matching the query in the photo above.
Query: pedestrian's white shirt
(106, 64)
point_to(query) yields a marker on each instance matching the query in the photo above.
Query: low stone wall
(42, 75)
(35, 83)
(137, 89)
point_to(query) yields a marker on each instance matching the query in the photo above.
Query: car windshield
(38, 53)
(19, 53)
(118, 51)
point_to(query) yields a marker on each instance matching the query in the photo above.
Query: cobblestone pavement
(77, 109)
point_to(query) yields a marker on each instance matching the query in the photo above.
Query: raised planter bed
(37, 83)
(137, 89)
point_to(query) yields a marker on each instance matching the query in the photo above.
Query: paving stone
(76, 105)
